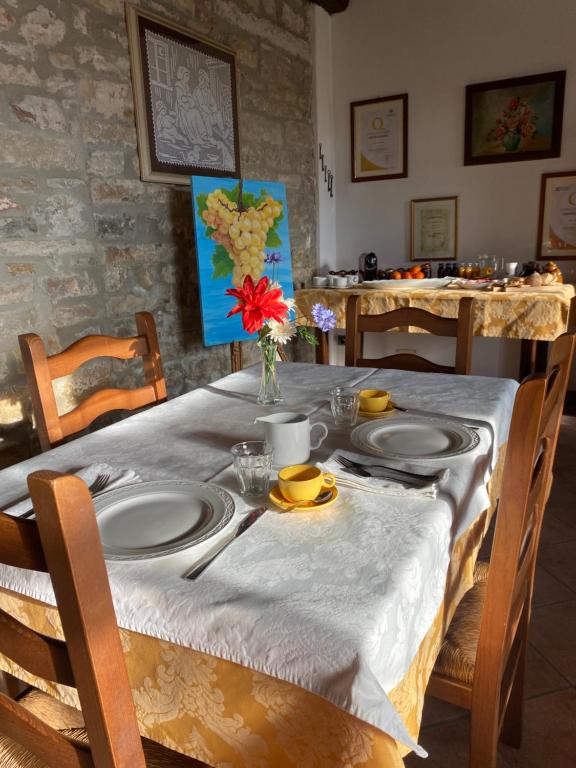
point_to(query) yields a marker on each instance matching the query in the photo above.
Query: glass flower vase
(270, 393)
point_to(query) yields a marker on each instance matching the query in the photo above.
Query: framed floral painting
(515, 119)
(185, 101)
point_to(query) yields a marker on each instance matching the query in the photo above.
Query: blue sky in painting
(217, 328)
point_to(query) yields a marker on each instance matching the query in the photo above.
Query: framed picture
(434, 229)
(241, 229)
(515, 119)
(379, 129)
(557, 220)
(185, 101)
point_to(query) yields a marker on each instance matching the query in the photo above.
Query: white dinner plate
(158, 518)
(407, 284)
(415, 437)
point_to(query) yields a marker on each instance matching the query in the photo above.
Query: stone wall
(83, 242)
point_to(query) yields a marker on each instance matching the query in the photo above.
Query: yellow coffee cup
(303, 482)
(373, 400)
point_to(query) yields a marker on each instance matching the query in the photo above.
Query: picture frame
(220, 264)
(557, 217)
(434, 229)
(519, 118)
(379, 138)
(185, 101)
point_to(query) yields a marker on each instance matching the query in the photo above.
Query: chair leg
(484, 738)
(512, 724)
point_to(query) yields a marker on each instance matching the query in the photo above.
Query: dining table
(309, 640)
(534, 315)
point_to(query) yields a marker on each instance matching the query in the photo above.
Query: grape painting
(241, 229)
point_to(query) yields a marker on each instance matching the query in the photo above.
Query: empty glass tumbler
(344, 401)
(252, 462)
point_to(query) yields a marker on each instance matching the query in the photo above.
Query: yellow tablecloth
(228, 715)
(536, 313)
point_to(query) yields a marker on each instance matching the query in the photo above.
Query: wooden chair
(42, 369)
(460, 328)
(481, 664)
(38, 731)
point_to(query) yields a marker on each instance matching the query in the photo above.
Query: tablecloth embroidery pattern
(225, 714)
(538, 315)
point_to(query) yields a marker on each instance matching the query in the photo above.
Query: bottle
(441, 270)
(454, 270)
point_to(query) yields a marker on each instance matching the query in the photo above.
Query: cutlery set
(388, 473)
(96, 486)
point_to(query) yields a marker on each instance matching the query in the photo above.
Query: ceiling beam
(332, 6)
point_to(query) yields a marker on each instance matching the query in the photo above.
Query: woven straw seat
(69, 722)
(482, 660)
(457, 656)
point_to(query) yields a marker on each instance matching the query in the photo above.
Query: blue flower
(324, 318)
(273, 258)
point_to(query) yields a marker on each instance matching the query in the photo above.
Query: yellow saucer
(306, 506)
(390, 408)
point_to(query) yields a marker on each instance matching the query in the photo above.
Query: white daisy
(281, 333)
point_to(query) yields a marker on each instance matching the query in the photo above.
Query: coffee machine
(368, 266)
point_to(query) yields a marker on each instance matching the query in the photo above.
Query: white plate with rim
(407, 284)
(158, 518)
(415, 437)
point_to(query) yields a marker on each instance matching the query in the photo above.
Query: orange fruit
(406, 275)
(418, 275)
(395, 275)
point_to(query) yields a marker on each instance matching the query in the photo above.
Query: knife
(249, 520)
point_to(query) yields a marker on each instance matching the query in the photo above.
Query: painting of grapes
(241, 229)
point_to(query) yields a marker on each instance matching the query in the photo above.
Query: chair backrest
(461, 328)
(526, 486)
(65, 543)
(41, 369)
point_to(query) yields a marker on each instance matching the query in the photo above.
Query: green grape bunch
(242, 233)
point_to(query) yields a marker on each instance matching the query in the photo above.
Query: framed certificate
(557, 223)
(379, 129)
(434, 229)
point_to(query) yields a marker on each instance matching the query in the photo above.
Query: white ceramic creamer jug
(289, 436)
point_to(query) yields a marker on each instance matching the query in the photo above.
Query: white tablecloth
(335, 601)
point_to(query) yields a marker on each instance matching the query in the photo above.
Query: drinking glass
(252, 462)
(344, 401)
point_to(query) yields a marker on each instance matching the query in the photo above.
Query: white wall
(326, 135)
(432, 50)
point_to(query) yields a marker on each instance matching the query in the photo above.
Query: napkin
(118, 477)
(380, 485)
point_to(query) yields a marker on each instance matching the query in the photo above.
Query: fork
(97, 486)
(399, 474)
(406, 482)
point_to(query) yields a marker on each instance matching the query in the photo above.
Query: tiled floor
(550, 709)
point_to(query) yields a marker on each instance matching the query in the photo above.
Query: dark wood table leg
(235, 356)
(533, 357)
(322, 350)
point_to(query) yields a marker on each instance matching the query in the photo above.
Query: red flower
(257, 304)
(514, 103)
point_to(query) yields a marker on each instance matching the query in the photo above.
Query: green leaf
(273, 241)
(209, 232)
(307, 335)
(222, 263)
(201, 203)
(232, 194)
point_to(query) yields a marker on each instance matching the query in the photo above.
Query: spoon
(320, 499)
